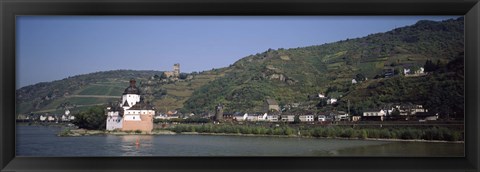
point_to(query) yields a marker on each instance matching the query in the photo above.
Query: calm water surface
(42, 141)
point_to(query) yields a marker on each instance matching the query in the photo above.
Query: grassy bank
(433, 133)
(82, 132)
(345, 132)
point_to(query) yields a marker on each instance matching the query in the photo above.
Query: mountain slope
(289, 76)
(286, 75)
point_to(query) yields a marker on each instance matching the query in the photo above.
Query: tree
(430, 66)
(296, 119)
(360, 77)
(183, 76)
(395, 112)
(322, 103)
(163, 76)
(93, 118)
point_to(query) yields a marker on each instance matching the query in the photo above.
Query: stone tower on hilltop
(176, 69)
(175, 73)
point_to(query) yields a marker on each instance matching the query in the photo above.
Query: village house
(417, 108)
(356, 118)
(354, 81)
(272, 118)
(22, 117)
(331, 101)
(252, 118)
(51, 118)
(262, 117)
(160, 116)
(228, 117)
(321, 118)
(388, 72)
(67, 116)
(321, 95)
(306, 118)
(240, 117)
(341, 116)
(271, 104)
(427, 116)
(64, 118)
(43, 118)
(408, 70)
(288, 118)
(374, 114)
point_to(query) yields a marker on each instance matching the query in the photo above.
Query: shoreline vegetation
(434, 134)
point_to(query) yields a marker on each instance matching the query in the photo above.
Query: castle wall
(145, 124)
(114, 121)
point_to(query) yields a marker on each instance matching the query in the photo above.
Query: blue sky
(55, 47)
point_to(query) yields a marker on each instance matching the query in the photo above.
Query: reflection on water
(135, 145)
(42, 141)
(399, 149)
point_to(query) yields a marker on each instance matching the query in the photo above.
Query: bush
(93, 118)
(373, 133)
(363, 134)
(327, 132)
(65, 132)
(347, 133)
(385, 134)
(409, 134)
(288, 131)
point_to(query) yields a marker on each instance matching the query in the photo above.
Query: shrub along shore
(345, 132)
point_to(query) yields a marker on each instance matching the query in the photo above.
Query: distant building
(175, 73)
(219, 112)
(406, 71)
(374, 114)
(272, 118)
(239, 117)
(306, 118)
(322, 118)
(341, 116)
(271, 104)
(331, 101)
(356, 118)
(288, 118)
(321, 95)
(262, 117)
(388, 72)
(354, 81)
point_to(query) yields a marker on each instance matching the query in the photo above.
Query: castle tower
(219, 112)
(176, 69)
(131, 95)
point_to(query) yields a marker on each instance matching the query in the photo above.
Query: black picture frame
(9, 9)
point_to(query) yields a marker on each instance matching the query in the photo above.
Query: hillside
(287, 75)
(290, 75)
(83, 91)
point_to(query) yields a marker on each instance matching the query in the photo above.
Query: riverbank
(83, 132)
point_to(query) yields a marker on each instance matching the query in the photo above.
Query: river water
(42, 141)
